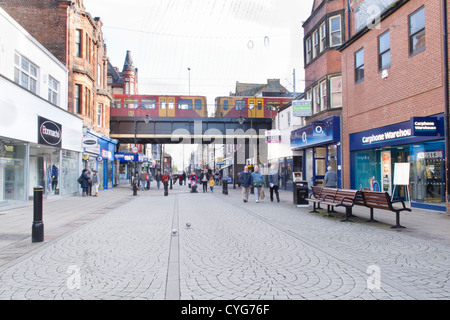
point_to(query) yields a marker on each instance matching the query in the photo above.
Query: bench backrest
(379, 200)
(346, 196)
(359, 199)
(328, 192)
(315, 190)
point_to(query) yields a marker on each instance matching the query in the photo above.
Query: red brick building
(394, 100)
(319, 140)
(75, 38)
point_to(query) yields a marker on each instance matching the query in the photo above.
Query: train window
(259, 105)
(171, 104)
(163, 104)
(148, 103)
(185, 104)
(198, 104)
(240, 105)
(117, 103)
(225, 104)
(131, 103)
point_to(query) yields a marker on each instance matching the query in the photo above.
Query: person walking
(257, 182)
(158, 178)
(245, 179)
(143, 179)
(204, 178)
(84, 183)
(330, 178)
(95, 183)
(274, 182)
(212, 183)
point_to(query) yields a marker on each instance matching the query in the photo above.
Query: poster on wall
(386, 173)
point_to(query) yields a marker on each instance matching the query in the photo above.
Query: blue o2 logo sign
(49, 132)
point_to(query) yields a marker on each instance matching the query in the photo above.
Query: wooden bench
(318, 194)
(381, 200)
(343, 198)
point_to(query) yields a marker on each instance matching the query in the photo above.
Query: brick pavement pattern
(123, 247)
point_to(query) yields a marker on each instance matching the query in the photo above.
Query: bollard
(170, 183)
(166, 188)
(135, 189)
(225, 186)
(37, 230)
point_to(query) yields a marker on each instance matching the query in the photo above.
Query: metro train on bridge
(196, 106)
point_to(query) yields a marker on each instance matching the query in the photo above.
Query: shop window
(417, 31)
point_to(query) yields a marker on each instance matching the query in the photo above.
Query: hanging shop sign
(273, 136)
(302, 108)
(49, 132)
(424, 126)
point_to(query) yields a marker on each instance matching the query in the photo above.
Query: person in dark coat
(85, 183)
(204, 178)
(245, 179)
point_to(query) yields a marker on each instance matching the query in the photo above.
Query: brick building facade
(75, 38)
(393, 78)
(319, 140)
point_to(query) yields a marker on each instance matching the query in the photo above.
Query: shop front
(321, 147)
(99, 155)
(419, 142)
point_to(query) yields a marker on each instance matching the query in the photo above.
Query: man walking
(245, 178)
(330, 178)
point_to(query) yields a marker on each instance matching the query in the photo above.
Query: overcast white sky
(221, 41)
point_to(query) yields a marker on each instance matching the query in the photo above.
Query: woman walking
(258, 182)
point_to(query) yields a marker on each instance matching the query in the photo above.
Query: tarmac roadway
(123, 247)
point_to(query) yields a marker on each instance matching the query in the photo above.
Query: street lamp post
(135, 151)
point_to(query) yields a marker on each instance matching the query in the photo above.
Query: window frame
(78, 93)
(411, 36)
(100, 115)
(22, 73)
(383, 53)
(331, 31)
(359, 67)
(53, 90)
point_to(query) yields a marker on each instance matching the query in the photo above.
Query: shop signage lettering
(424, 126)
(430, 155)
(386, 136)
(49, 132)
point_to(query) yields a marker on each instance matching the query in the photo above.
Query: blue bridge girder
(174, 130)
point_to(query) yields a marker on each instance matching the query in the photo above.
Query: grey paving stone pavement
(119, 246)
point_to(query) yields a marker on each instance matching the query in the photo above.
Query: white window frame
(332, 44)
(53, 90)
(100, 115)
(26, 73)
